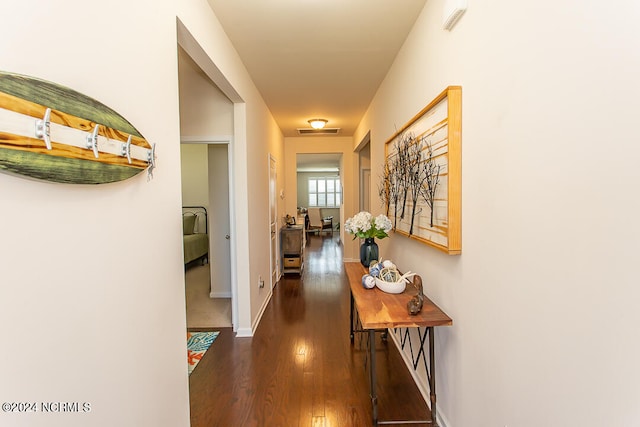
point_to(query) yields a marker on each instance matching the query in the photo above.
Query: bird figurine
(415, 304)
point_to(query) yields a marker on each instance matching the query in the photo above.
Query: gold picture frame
(428, 148)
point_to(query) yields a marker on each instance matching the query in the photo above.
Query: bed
(195, 234)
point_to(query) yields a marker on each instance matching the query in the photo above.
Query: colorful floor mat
(197, 344)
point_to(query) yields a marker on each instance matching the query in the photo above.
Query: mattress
(195, 246)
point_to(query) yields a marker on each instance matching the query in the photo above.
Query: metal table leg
(351, 319)
(430, 373)
(432, 376)
(372, 375)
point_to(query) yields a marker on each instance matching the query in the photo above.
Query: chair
(317, 223)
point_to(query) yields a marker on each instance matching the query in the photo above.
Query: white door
(219, 221)
(273, 220)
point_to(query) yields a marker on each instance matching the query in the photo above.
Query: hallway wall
(544, 295)
(89, 273)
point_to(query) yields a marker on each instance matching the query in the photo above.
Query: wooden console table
(378, 311)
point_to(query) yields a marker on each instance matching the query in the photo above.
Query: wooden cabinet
(292, 249)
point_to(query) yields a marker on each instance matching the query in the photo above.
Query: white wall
(204, 109)
(545, 294)
(269, 141)
(194, 162)
(92, 289)
(92, 295)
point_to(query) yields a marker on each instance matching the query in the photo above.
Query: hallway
(300, 368)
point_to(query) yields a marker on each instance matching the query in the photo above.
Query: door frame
(274, 267)
(227, 140)
(365, 189)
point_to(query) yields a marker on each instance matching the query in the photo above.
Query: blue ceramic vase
(368, 251)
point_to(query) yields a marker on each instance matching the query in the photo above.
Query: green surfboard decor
(53, 133)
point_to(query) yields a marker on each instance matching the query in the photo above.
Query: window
(324, 192)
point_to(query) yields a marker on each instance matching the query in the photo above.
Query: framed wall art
(422, 174)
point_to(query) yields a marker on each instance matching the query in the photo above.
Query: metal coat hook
(43, 128)
(92, 141)
(126, 149)
(151, 159)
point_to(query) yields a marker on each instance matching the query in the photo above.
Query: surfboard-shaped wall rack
(51, 132)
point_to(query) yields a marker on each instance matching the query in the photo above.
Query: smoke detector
(453, 10)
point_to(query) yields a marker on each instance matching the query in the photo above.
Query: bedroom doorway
(205, 182)
(207, 121)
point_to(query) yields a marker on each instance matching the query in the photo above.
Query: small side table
(292, 249)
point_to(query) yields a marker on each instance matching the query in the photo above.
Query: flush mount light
(317, 123)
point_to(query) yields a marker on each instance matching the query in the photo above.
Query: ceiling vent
(323, 131)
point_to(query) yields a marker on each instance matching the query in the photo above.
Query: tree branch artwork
(390, 188)
(403, 167)
(384, 190)
(410, 175)
(416, 176)
(421, 177)
(395, 189)
(429, 186)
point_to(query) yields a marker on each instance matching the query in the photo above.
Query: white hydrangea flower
(364, 225)
(383, 223)
(362, 221)
(348, 226)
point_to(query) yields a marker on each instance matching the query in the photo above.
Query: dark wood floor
(300, 368)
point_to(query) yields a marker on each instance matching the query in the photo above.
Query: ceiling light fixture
(318, 123)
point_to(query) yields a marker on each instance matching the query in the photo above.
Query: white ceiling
(317, 58)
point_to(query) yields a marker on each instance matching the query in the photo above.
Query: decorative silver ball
(368, 281)
(374, 269)
(388, 264)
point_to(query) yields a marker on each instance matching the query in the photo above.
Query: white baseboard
(248, 332)
(219, 294)
(244, 333)
(422, 386)
(256, 322)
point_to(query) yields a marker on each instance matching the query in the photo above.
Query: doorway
(207, 123)
(319, 185)
(364, 165)
(211, 108)
(205, 183)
